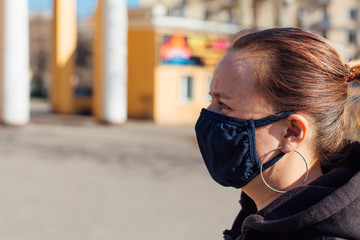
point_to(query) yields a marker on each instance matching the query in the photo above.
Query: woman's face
(233, 94)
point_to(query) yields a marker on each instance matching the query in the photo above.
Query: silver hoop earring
(261, 169)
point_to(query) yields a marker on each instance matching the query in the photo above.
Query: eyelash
(220, 103)
(223, 105)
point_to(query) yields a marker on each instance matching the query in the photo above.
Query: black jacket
(326, 209)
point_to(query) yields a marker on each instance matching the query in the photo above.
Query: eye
(217, 103)
(223, 105)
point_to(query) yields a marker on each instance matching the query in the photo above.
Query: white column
(15, 62)
(115, 21)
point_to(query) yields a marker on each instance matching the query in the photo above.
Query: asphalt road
(69, 178)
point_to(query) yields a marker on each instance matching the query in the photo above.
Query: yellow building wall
(168, 108)
(63, 57)
(83, 105)
(141, 68)
(98, 67)
(154, 88)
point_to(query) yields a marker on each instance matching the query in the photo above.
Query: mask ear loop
(261, 169)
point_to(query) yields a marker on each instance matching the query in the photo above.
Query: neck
(263, 196)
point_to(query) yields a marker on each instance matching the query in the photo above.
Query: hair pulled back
(299, 71)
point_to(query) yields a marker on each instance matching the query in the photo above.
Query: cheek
(265, 142)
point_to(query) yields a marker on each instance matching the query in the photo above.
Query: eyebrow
(219, 95)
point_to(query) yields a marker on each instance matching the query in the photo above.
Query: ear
(295, 132)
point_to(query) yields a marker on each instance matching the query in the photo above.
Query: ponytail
(353, 108)
(353, 71)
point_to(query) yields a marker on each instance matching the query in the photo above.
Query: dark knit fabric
(327, 209)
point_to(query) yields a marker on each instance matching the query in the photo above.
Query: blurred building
(337, 20)
(40, 35)
(173, 46)
(84, 73)
(40, 48)
(170, 64)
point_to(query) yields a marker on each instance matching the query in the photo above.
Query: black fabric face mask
(228, 146)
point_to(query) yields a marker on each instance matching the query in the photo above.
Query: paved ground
(69, 178)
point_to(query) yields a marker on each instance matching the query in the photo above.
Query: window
(324, 33)
(186, 89)
(352, 36)
(353, 14)
(207, 14)
(207, 88)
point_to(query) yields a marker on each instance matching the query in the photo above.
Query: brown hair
(299, 71)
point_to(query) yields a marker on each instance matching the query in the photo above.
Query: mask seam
(252, 135)
(223, 118)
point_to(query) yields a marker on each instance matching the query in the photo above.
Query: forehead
(235, 70)
(234, 81)
(237, 57)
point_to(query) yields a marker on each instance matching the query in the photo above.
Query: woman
(278, 128)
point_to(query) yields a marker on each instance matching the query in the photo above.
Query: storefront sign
(191, 50)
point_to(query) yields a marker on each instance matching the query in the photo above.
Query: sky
(84, 7)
